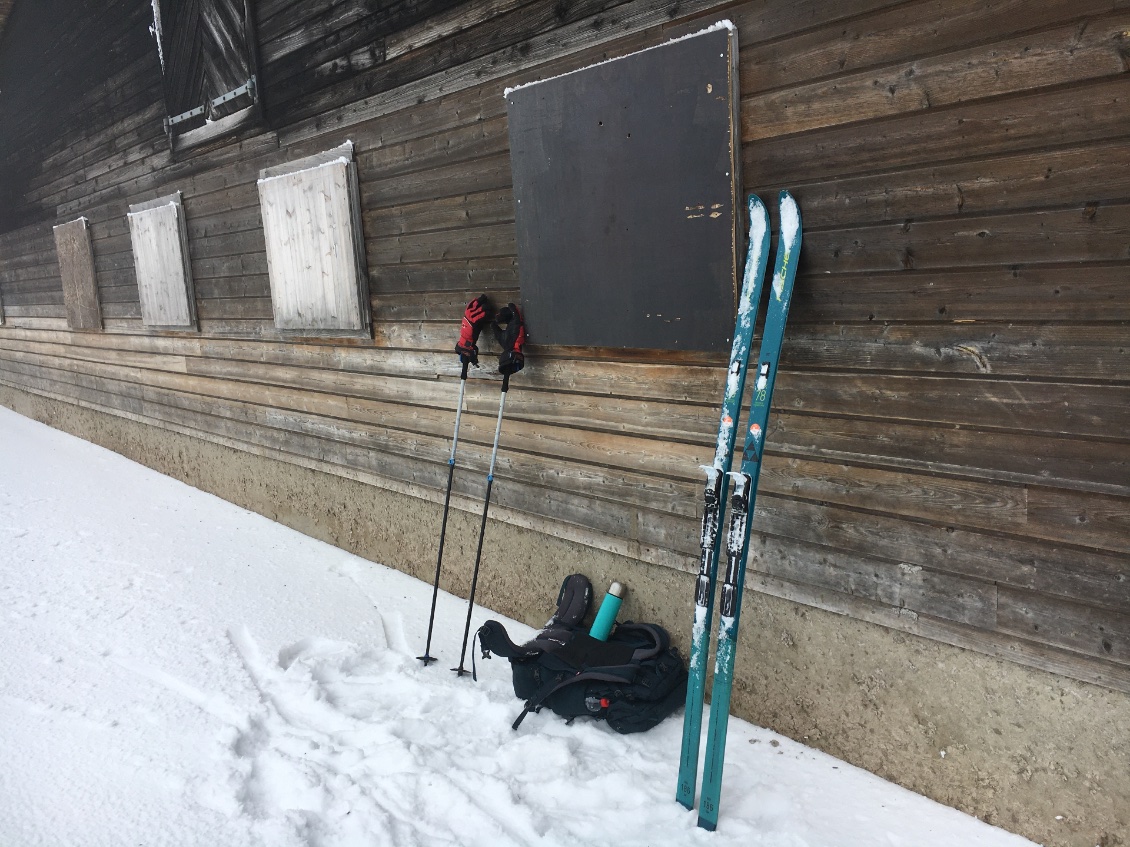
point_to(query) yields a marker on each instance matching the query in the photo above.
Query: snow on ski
(742, 506)
(715, 495)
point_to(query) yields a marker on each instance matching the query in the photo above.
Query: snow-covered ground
(177, 670)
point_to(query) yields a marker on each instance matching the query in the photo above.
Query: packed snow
(175, 670)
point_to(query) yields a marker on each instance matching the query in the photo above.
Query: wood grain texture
(160, 250)
(309, 221)
(76, 266)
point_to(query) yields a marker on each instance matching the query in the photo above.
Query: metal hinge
(247, 88)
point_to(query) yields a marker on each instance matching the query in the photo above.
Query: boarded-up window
(315, 251)
(207, 54)
(160, 257)
(625, 189)
(76, 267)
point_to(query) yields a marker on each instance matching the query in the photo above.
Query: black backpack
(633, 680)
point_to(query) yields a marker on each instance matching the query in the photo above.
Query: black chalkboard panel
(624, 186)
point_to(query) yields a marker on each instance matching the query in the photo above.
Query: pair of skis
(718, 478)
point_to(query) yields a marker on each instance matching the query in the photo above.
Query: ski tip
(789, 209)
(753, 202)
(790, 223)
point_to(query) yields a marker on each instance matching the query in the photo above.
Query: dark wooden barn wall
(950, 451)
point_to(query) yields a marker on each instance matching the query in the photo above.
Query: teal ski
(714, 499)
(742, 507)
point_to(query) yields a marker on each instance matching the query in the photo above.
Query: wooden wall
(949, 453)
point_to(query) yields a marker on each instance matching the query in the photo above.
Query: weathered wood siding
(950, 450)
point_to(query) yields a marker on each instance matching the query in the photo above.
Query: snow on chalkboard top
(727, 25)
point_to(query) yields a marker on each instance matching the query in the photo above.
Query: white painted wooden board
(311, 254)
(162, 272)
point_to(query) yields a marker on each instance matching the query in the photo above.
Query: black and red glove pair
(509, 330)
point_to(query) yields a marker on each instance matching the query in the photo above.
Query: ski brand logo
(755, 431)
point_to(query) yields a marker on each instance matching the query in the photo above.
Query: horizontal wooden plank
(948, 501)
(446, 24)
(1061, 56)
(1059, 461)
(464, 143)
(471, 243)
(491, 173)
(483, 208)
(1093, 577)
(899, 32)
(233, 287)
(1089, 352)
(901, 586)
(1061, 293)
(1003, 646)
(436, 305)
(1090, 519)
(51, 316)
(1047, 178)
(1072, 626)
(1091, 113)
(988, 404)
(1093, 233)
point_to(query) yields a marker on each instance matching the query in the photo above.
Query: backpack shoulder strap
(656, 638)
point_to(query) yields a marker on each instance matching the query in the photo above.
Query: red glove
(475, 317)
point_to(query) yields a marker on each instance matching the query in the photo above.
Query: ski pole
(475, 316)
(511, 334)
(428, 658)
(460, 671)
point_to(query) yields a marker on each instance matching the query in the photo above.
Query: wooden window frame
(202, 123)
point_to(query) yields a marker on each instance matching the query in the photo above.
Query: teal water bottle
(606, 616)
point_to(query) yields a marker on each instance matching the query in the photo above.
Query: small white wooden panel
(163, 281)
(311, 252)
